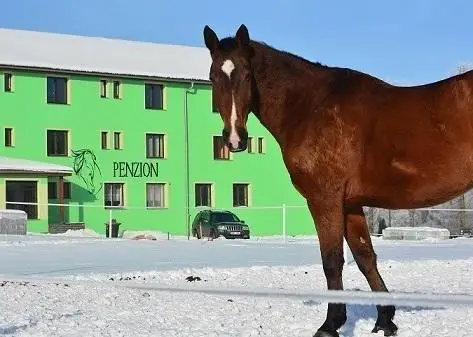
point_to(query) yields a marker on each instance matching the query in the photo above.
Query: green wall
(25, 109)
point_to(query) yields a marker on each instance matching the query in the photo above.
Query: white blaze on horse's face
(227, 67)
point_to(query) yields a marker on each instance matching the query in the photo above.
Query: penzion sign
(134, 169)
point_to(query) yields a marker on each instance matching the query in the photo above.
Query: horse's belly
(412, 184)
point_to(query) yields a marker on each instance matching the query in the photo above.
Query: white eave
(24, 166)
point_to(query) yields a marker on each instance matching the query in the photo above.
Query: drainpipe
(186, 151)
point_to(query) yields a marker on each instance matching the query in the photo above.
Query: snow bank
(415, 233)
(144, 235)
(87, 232)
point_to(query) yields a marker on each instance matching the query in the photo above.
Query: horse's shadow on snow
(367, 312)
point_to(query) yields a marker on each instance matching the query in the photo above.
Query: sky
(404, 42)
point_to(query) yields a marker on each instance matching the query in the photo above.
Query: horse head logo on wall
(85, 166)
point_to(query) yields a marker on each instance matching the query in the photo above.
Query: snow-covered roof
(32, 49)
(16, 165)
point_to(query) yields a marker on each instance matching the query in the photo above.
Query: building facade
(142, 146)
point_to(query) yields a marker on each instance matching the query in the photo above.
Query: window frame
(104, 140)
(8, 137)
(209, 194)
(223, 148)
(113, 185)
(149, 103)
(103, 88)
(161, 145)
(163, 193)
(246, 195)
(51, 98)
(66, 145)
(116, 89)
(8, 82)
(117, 145)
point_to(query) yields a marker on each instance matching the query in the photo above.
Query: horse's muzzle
(242, 140)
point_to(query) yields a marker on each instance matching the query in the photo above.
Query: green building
(124, 129)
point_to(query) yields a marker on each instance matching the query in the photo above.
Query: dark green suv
(214, 223)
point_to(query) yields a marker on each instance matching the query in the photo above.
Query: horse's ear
(211, 39)
(242, 37)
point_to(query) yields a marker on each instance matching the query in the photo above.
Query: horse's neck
(282, 88)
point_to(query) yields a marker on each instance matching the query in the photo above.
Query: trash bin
(115, 227)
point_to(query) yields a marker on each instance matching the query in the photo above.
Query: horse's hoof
(389, 329)
(321, 333)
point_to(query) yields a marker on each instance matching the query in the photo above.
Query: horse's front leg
(328, 215)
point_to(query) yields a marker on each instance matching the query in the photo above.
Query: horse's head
(233, 83)
(85, 164)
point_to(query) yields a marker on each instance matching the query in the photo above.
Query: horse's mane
(290, 55)
(229, 43)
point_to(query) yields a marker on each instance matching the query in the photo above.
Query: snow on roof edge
(17, 165)
(103, 55)
(104, 72)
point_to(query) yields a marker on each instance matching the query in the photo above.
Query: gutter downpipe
(186, 150)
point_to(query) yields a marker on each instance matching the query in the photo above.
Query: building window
(155, 195)
(57, 90)
(260, 145)
(154, 145)
(116, 89)
(214, 103)
(203, 195)
(8, 82)
(221, 150)
(250, 145)
(103, 88)
(23, 195)
(117, 140)
(240, 195)
(104, 140)
(8, 137)
(52, 190)
(57, 143)
(154, 96)
(113, 195)
(67, 190)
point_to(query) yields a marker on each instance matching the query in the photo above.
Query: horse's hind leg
(358, 238)
(330, 228)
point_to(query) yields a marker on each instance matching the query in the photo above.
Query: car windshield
(223, 217)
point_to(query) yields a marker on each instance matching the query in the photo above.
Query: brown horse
(348, 140)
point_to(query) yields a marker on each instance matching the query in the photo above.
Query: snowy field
(75, 286)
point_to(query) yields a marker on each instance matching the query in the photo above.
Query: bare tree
(463, 68)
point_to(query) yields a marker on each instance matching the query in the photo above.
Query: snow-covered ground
(64, 285)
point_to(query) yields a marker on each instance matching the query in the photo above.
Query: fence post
(110, 223)
(284, 222)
